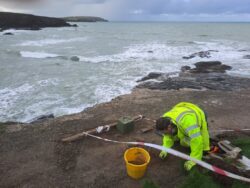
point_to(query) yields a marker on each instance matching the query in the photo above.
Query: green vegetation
(149, 184)
(202, 178)
(238, 184)
(196, 178)
(244, 144)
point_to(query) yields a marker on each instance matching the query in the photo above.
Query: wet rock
(185, 68)
(158, 76)
(170, 84)
(201, 54)
(210, 66)
(42, 118)
(150, 51)
(210, 81)
(8, 33)
(152, 75)
(75, 58)
(205, 76)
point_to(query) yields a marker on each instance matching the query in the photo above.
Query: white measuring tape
(181, 155)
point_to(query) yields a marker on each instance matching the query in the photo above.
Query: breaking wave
(38, 55)
(46, 42)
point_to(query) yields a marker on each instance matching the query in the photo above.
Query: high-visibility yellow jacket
(192, 128)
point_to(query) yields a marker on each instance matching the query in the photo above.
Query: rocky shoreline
(32, 154)
(207, 75)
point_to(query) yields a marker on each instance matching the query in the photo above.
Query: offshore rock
(74, 58)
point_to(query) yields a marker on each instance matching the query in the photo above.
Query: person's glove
(163, 154)
(188, 165)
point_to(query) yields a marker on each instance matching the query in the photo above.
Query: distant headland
(84, 19)
(10, 20)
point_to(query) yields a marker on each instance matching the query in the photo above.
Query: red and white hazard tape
(181, 155)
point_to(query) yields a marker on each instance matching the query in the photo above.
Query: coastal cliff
(9, 20)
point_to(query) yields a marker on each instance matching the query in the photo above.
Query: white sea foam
(16, 105)
(49, 82)
(164, 52)
(70, 110)
(38, 55)
(105, 92)
(46, 42)
(45, 105)
(15, 31)
(206, 43)
(8, 96)
(227, 51)
(141, 52)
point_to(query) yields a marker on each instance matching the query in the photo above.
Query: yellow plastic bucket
(137, 160)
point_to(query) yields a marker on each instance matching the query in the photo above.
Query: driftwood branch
(95, 130)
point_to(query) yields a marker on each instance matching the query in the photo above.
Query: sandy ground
(32, 155)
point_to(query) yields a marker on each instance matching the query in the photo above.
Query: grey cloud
(132, 9)
(191, 6)
(156, 9)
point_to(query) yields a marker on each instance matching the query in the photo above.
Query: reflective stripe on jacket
(192, 128)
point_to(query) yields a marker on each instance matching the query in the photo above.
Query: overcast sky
(136, 10)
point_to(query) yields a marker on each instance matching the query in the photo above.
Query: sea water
(40, 74)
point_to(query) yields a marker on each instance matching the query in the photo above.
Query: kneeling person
(187, 123)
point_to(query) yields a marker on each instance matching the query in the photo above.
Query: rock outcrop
(27, 21)
(205, 76)
(207, 67)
